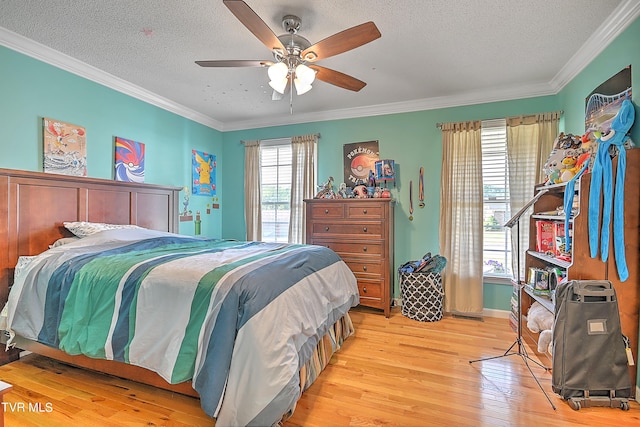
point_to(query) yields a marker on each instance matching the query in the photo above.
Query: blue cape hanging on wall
(602, 180)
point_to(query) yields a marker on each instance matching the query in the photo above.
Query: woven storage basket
(422, 296)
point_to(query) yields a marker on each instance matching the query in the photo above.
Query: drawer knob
(364, 229)
(326, 228)
(364, 249)
(364, 211)
(364, 268)
(364, 290)
(326, 211)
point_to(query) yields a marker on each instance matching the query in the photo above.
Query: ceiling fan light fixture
(279, 85)
(301, 87)
(305, 74)
(278, 71)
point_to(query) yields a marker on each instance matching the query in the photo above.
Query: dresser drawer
(369, 289)
(371, 229)
(327, 210)
(365, 211)
(363, 268)
(347, 249)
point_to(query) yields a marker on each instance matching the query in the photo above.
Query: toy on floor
(540, 320)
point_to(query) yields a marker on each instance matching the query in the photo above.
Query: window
(275, 177)
(495, 176)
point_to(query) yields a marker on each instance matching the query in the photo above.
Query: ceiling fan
(294, 56)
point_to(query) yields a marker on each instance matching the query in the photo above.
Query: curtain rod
(561, 112)
(283, 137)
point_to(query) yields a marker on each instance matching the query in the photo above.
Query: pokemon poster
(64, 148)
(129, 162)
(359, 159)
(204, 173)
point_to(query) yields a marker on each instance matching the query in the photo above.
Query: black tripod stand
(518, 344)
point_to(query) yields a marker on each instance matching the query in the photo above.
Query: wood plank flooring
(393, 372)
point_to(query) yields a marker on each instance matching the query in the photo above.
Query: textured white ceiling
(432, 53)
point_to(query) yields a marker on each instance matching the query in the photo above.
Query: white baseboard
(500, 314)
(487, 312)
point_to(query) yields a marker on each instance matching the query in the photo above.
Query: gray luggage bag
(589, 350)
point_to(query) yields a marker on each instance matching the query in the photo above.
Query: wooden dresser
(361, 232)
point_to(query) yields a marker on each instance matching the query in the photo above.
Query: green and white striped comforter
(239, 319)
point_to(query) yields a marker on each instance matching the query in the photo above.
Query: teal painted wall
(623, 51)
(411, 139)
(32, 90)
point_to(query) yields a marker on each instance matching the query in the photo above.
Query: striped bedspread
(239, 319)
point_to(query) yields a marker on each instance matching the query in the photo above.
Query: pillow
(22, 264)
(64, 241)
(83, 228)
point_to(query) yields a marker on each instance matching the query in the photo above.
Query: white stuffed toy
(545, 341)
(540, 320)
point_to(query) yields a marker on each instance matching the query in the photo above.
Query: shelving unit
(582, 266)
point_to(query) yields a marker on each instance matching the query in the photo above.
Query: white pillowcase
(83, 228)
(64, 241)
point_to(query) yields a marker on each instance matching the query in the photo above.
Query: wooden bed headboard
(33, 206)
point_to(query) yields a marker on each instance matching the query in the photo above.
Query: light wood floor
(394, 372)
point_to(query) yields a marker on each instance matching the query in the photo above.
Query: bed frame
(33, 206)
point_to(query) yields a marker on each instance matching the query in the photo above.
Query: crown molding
(615, 24)
(472, 98)
(65, 62)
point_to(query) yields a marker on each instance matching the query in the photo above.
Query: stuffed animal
(568, 167)
(539, 319)
(553, 165)
(545, 341)
(560, 164)
(360, 192)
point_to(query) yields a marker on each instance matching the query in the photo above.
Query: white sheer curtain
(252, 197)
(461, 236)
(303, 185)
(529, 143)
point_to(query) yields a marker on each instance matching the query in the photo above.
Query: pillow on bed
(22, 264)
(64, 241)
(83, 228)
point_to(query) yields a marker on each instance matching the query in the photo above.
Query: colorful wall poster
(359, 159)
(204, 173)
(64, 149)
(129, 160)
(602, 105)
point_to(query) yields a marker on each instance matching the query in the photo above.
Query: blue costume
(601, 179)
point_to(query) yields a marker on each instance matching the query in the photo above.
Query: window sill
(497, 280)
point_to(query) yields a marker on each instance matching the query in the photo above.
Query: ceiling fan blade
(255, 24)
(341, 42)
(235, 63)
(337, 78)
